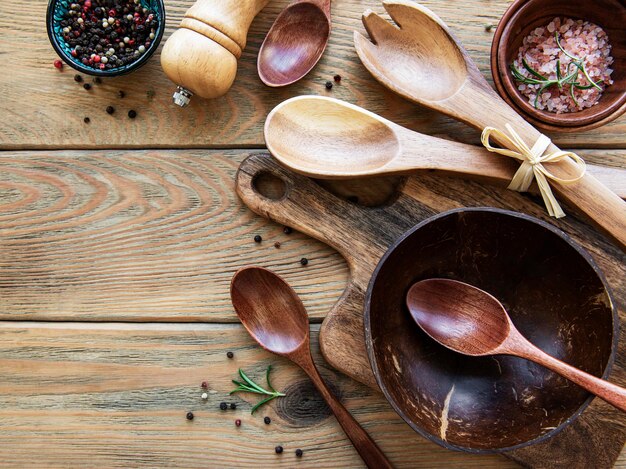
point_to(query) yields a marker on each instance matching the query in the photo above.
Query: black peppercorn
(299, 452)
(258, 239)
(132, 114)
(223, 405)
(278, 449)
(78, 78)
(233, 406)
(230, 354)
(277, 245)
(204, 385)
(337, 78)
(87, 86)
(110, 109)
(189, 415)
(287, 230)
(121, 94)
(329, 85)
(267, 420)
(304, 261)
(86, 120)
(488, 27)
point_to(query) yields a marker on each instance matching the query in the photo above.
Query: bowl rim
(370, 346)
(546, 121)
(115, 72)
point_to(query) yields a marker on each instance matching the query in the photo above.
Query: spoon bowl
(295, 43)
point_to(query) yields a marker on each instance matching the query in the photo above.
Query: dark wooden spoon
(469, 320)
(295, 42)
(275, 317)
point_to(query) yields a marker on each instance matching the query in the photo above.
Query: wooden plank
(116, 395)
(42, 108)
(151, 236)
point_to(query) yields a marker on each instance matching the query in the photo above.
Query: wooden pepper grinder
(201, 56)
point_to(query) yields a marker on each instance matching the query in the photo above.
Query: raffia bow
(532, 167)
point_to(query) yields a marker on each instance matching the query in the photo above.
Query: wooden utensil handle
(609, 392)
(310, 209)
(371, 454)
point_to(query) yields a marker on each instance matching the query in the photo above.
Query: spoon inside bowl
(470, 321)
(420, 59)
(331, 139)
(295, 42)
(275, 317)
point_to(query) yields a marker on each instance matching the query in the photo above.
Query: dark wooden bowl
(556, 296)
(524, 15)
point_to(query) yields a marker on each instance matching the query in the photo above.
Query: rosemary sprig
(250, 386)
(569, 79)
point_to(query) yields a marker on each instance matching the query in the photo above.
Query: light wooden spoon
(330, 139)
(470, 321)
(421, 60)
(275, 317)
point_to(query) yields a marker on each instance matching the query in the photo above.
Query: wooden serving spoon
(275, 317)
(295, 42)
(469, 320)
(421, 60)
(330, 139)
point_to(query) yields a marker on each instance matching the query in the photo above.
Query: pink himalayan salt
(579, 38)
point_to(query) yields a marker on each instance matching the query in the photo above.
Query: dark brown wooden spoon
(469, 320)
(275, 317)
(295, 42)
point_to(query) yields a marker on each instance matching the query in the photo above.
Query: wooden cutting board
(362, 234)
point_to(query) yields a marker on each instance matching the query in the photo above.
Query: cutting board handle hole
(269, 186)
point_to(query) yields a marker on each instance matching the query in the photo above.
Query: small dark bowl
(523, 16)
(54, 15)
(556, 296)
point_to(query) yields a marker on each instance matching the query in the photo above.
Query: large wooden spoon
(330, 139)
(421, 60)
(471, 321)
(275, 317)
(295, 42)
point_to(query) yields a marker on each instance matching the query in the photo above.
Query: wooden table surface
(118, 239)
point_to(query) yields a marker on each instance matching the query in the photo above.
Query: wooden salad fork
(420, 59)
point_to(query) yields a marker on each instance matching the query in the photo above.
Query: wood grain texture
(140, 236)
(116, 395)
(325, 217)
(44, 108)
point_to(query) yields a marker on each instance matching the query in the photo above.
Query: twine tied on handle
(532, 167)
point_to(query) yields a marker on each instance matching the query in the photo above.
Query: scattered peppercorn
(58, 64)
(488, 27)
(121, 94)
(238, 422)
(97, 80)
(278, 449)
(267, 420)
(287, 230)
(204, 385)
(337, 78)
(304, 261)
(230, 354)
(277, 245)
(86, 120)
(78, 78)
(258, 239)
(110, 109)
(233, 406)
(189, 415)
(87, 86)
(223, 405)
(299, 452)
(132, 114)
(329, 85)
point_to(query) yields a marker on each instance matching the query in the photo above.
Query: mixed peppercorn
(106, 34)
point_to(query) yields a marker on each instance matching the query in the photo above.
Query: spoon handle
(611, 393)
(371, 454)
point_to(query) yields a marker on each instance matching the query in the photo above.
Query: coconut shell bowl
(55, 13)
(521, 18)
(556, 297)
